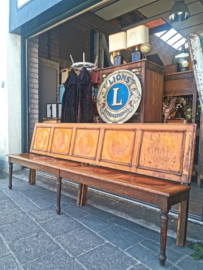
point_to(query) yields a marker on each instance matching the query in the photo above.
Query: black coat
(84, 92)
(69, 103)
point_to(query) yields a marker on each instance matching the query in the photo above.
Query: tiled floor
(32, 236)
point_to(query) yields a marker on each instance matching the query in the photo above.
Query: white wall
(10, 96)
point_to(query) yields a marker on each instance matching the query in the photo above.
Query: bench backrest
(159, 150)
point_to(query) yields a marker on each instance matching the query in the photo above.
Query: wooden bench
(149, 162)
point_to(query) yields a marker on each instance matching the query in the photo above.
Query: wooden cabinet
(151, 77)
(181, 84)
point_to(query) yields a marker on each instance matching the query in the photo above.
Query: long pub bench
(149, 162)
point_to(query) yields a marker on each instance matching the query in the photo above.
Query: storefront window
(21, 3)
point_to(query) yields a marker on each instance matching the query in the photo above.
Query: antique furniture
(151, 77)
(133, 160)
(181, 84)
(51, 120)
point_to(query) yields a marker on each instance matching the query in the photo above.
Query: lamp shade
(117, 42)
(179, 12)
(137, 36)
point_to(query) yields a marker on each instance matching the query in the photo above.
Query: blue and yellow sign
(119, 97)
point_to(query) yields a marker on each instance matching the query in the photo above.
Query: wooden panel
(159, 150)
(179, 83)
(42, 137)
(86, 142)
(61, 141)
(118, 146)
(162, 151)
(172, 68)
(153, 103)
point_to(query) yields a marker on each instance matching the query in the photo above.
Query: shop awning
(35, 15)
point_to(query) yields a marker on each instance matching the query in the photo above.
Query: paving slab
(121, 237)
(190, 264)
(31, 194)
(79, 241)
(147, 257)
(73, 211)
(106, 257)
(33, 247)
(44, 202)
(80, 238)
(42, 215)
(7, 206)
(97, 212)
(95, 223)
(132, 226)
(175, 268)
(68, 200)
(25, 204)
(3, 197)
(3, 249)
(139, 267)
(12, 217)
(58, 259)
(171, 254)
(61, 225)
(18, 230)
(8, 263)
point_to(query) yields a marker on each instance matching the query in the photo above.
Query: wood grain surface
(158, 150)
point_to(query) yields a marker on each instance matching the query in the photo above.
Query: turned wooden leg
(10, 175)
(32, 176)
(164, 226)
(182, 222)
(82, 195)
(58, 199)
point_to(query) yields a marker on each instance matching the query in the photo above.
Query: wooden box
(152, 80)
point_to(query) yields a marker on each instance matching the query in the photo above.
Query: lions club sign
(119, 97)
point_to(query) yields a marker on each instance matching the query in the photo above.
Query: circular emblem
(119, 97)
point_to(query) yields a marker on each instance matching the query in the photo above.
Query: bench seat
(148, 184)
(148, 162)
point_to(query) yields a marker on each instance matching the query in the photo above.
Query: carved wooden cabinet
(151, 77)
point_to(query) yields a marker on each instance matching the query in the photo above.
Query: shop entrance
(49, 64)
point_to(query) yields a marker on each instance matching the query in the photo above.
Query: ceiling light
(179, 12)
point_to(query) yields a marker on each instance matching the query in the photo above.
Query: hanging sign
(119, 97)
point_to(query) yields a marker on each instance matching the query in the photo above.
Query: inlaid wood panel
(118, 146)
(160, 150)
(86, 142)
(61, 141)
(42, 136)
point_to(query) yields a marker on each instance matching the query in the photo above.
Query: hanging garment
(84, 89)
(69, 103)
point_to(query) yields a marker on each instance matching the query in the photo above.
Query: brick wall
(49, 42)
(164, 50)
(33, 54)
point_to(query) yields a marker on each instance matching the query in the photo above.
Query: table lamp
(117, 42)
(135, 37)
